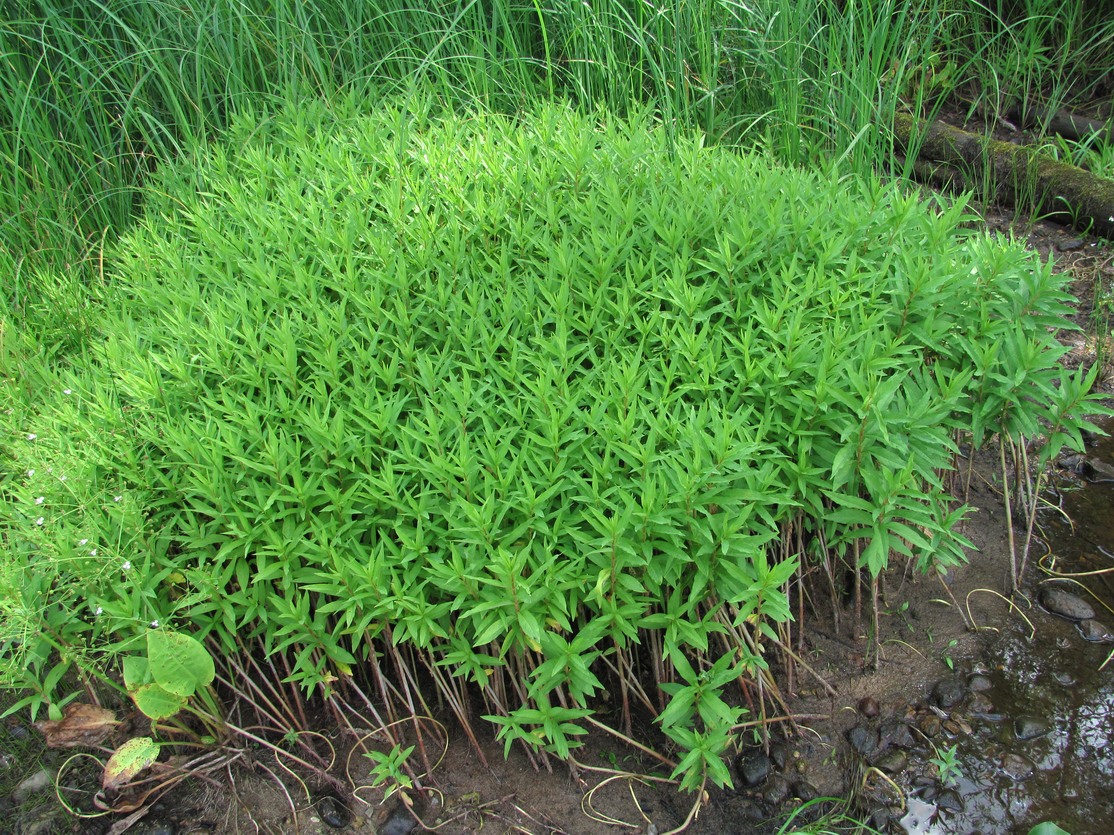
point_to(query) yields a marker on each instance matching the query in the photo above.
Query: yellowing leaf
(129, 760)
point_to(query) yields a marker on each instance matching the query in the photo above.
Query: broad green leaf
(178, 663)
(157, 703)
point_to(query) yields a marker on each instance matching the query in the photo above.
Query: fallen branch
(1059, 191)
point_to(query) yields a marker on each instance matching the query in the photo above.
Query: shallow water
(1067, 775)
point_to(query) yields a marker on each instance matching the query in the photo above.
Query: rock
(949, 801)
(863, 740)
(1016, 767)
(779, 754)
(978, 683)
(1029, 727)
(948, 692)
(1092, 630)
(398, 822)
(37, 783)
(1099, 470)
(1065, 604)
(776, 790)
(929, 725)
(152, 827)
(868, 707)
(1065, 679)
(893, 762)
(1070, 245)
(804, 791)
(334, 813)
(753, 767)
(1073, 463)
(979, 705)
(898, 734)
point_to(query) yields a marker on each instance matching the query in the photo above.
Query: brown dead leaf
(80, 725)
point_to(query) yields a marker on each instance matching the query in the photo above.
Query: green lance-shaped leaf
(157, 703)
(129, 760)
(179, 664)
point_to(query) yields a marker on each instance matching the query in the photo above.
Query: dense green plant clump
(531, 404)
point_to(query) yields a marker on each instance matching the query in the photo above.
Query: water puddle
(1043, 747)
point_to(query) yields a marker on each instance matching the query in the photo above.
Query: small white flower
(100, 611)
(117, 498)
(67, 391)
(974, 270)
(39, 521)
(93, 553)
(31, 436)
(30, 473)
(1111, 218)
(126, 566)
(154, 624)
(63, 477)
(40, 500)
(82, 542)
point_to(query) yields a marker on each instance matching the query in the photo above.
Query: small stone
(863, 740)
(1065, 604)
(978, 683)
(398, 822)
(779, 754)
(1070, 245)
(1016, 767)
(929, 725)
(949, 801)
(333, 812)
(37, 783)
(893, 762)
(1094, 631)
(1065, 679)
(979, 705)
(1029, 727)
(753, 767)
(948, 692)
(868, 707)
(897, 733)
(776, 790)
(804, 791)
(152, 827)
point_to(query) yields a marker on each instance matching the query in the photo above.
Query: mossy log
(1066, 124)
(1053, 189)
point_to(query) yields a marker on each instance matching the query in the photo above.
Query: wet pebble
(980, 704)
(804, 791)
(1094, 631)
(898, 733)
(1064, 679)
(776, 790)
(1016, 767)
(863, 740)
(978, 683)
(1064, 603)
(334, 813)
(949, 801)
(868, 707)
(893, 762)
(929, 725)
(779, 754)
(1030, 727)
(753, 767)
(1070, 245)
(398, 822)
(948, 692)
